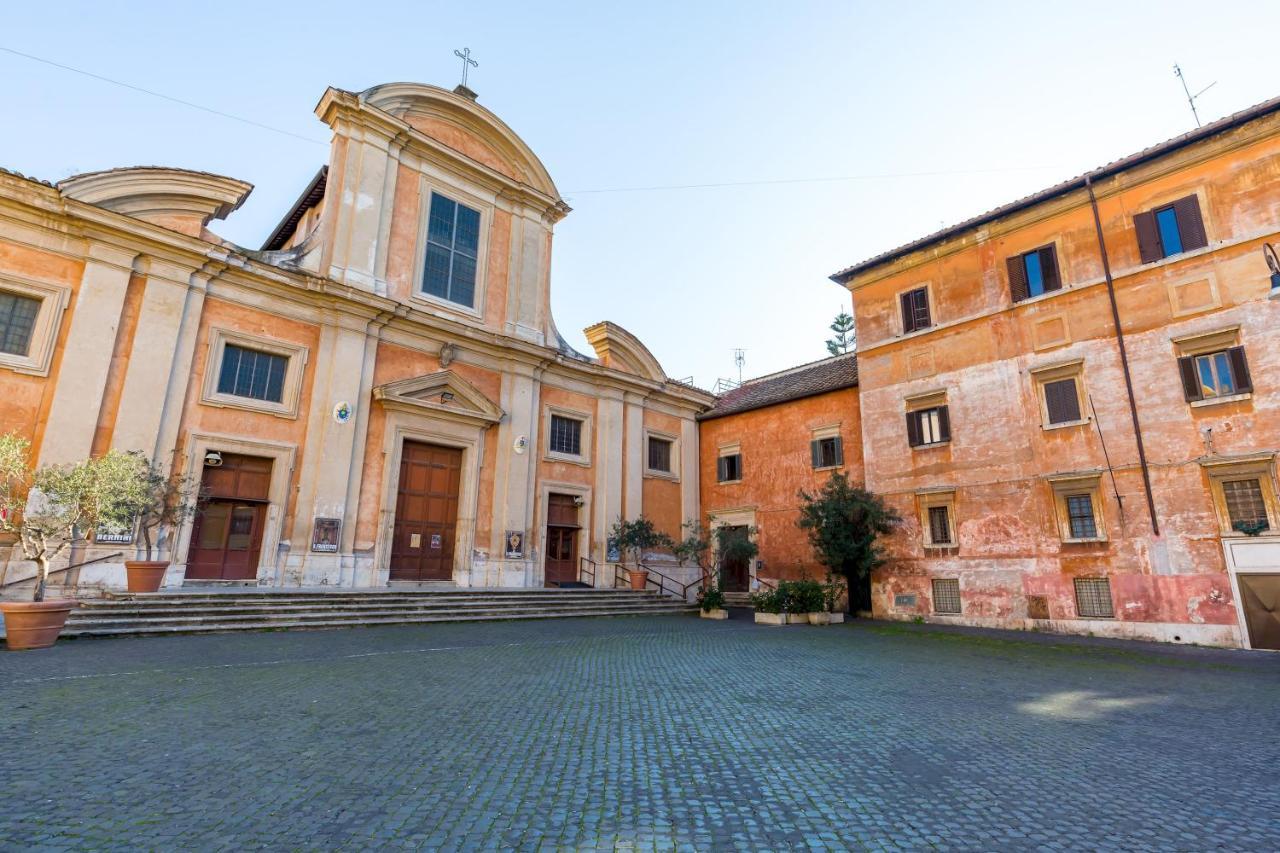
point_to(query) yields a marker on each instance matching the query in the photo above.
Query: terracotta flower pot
(34, 624)
(638, 578)
(145, 575)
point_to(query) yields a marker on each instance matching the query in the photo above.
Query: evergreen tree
(845, 338)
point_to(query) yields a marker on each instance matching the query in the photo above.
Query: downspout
(1124, 356)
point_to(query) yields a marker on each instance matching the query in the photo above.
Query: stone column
(325, 465)
(634, 456)
(363, 214)
(513, 499)
(86, 356)
(690, 509)
(607, 500)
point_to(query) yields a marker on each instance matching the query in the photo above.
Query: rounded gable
(455, 120)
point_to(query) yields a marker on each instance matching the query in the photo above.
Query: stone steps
(204, 612)
(737, 599)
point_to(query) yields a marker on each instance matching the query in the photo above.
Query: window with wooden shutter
(1060, 388)
(1034, 273)
(1210, 375)
(915, 310)
(827, 452)
(928, 426)
(1170, 229)
(729, 468)
(1061, 400)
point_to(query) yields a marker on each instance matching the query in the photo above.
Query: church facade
(378, 395)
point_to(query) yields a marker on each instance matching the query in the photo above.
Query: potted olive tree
(160, 503)
(633, 538)
(45, 509)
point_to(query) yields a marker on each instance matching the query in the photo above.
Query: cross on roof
(465, 56)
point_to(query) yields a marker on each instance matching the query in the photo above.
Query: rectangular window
(729, 468)
(17, 322)
(946, 595)
(1167, 226)
(1246, 506)
(827, 452)
(1222, 373)
(1170, 230)
(252, 374)
(928, 426)
(1034, 273)
(453, 245)
(1080, 518)
(659, 455)
(915, 310)
(939, 525)
(1093, 598)
(1062, 401)
(566, 436)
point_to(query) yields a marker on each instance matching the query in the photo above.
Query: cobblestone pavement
(647, 733)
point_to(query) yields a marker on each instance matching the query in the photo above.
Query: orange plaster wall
(464, 142)
(27, 398)
(1009, 544)
(565, 472)
(660, 496)
(776, 465)
(202, 418)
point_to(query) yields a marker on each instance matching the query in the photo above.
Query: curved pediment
(465, 126)
(621, 350)
(443, 393)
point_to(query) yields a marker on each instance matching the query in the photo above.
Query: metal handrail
(654, 577)
(583, 571)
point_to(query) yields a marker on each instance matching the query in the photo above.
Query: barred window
(1093, 598)
(566, 436)
(946, 595)
(17, 322)
(252, 374)
(1080, 517)
(453, 246)
(1245, 505)
(659, 454)
(939, 525)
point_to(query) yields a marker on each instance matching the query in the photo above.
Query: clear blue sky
(1005, 98)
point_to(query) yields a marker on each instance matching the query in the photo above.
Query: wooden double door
(226, 539)
(561, 564)
(426, 525)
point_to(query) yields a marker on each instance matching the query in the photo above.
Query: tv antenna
(1191, 99)
(739, 358)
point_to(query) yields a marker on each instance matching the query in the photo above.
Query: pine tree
(846, 338)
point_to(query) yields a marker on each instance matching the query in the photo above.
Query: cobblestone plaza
(646, 733)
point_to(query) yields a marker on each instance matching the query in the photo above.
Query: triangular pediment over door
(440, 394)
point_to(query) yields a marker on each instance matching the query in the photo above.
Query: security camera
(213, 459)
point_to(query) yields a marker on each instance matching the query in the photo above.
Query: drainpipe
(1124, 357)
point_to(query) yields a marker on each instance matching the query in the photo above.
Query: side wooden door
(425, 529)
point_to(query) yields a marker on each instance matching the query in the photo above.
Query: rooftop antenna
(1191, 99)
(739, 358)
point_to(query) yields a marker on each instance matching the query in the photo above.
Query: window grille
(566, 436)
(252, 374)
(946, 595)
(1093, 598)
(659, 455)
(939, 525)
(1245, 505)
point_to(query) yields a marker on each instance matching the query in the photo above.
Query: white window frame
(44, 334)
(291, 391)
(584, 436)
(426, 187)
(674, 473)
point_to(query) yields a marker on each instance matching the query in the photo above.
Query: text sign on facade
(324, 535)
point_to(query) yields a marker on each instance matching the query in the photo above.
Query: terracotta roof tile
(807, 380)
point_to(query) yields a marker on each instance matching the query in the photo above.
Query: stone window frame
(1260, 466)
(828, 431)
(1067, 485)
(724, 450)
(584, 436)
(1042, 376)
(901, 322)
(426, 187)
(296, 354)
(54, 300)
(927, 500)
(1203, 343)
(654, 473)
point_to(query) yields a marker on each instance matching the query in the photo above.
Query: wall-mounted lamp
(213, 459)
(1273, 264)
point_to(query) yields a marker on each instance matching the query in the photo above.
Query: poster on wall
(324, 535)
(515, 544)
(611, 552)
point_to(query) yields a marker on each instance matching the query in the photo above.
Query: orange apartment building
(1074, 400)
(378, 395)
(765, 441)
